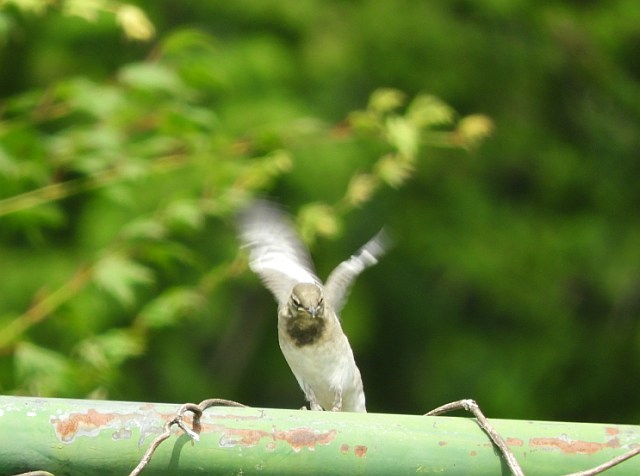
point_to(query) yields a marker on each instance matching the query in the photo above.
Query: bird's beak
(313, 311)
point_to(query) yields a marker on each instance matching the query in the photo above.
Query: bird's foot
(337, 403)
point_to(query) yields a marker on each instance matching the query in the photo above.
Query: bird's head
(307, 299)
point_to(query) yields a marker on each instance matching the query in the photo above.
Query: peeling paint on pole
(565, 444)
(91, 423)
(99, 437)
(296, 438)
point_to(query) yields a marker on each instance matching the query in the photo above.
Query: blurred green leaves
(172, 306)
(149, 164)
(132, 19)
(514, 279)
(109, 350)
(118, 276)
(41, 371)
(152, 78)
(429, 111)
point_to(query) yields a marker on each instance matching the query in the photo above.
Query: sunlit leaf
(144, 228)
(318, 219)
(110, 349)
(426, 110)
(365, 121)
(134, 22)
(89, 10)
(119, 275)
(386, 100)
(152, 77)
(40, 370)
(171, 307)
(394, 169)
(100, 100)
(361, 188)
(185, 215)
(403, 135)
(473, 129)
(35, 6)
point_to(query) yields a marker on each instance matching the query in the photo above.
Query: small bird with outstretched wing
(309, 330)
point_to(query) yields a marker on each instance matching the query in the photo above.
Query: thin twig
(219, 402)
(152, 448)
(471, 406)
(58, 191)
(43, 307)
(178, 420)
(609, 464)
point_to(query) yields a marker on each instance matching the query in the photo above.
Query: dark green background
(515, 275)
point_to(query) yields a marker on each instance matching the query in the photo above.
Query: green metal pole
(86, 437)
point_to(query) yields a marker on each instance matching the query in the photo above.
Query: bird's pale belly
(327, 368)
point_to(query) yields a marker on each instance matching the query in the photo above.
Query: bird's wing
(276, 253)
(341, 279)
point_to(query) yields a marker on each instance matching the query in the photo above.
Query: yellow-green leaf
(118, 275)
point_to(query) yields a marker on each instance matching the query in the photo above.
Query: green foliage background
(130, 134)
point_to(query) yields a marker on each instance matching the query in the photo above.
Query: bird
(310, 333)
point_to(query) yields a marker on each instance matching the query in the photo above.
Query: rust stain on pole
(297, 438)
(360, 451)
(68, 426)
(91, 423)
(300, 438)
(569, 446)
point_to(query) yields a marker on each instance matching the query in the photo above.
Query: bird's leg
(311, 397)
(337, 402)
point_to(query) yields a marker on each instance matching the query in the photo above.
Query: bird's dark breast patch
(305, 330)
